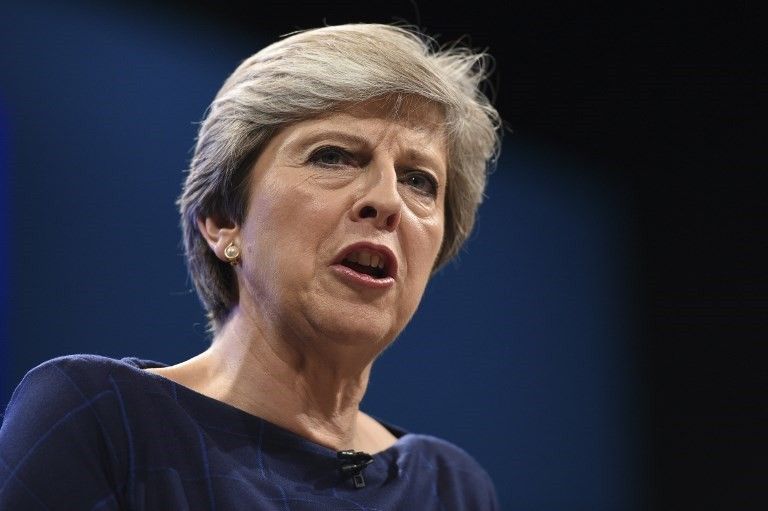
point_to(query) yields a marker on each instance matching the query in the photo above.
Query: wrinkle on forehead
(414, 112)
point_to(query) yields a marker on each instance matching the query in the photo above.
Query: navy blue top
(85, 432)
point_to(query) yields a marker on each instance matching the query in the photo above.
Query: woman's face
(344, 223)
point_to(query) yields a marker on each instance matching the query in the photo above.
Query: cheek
(425, 237)
(436, 237)
(423, 249)
(432, 236)
(424, 246)
(286, 225)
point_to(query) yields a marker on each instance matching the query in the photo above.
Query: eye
(330, 156)
(422, 182)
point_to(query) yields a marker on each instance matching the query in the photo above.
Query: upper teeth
(366, 258)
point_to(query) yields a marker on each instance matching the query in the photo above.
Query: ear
(219, 233)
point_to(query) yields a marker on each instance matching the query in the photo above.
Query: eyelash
(321, 151)
(432, 192)
(317, 154)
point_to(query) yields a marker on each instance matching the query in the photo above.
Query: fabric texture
(85, 432)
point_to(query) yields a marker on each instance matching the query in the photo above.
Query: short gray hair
(313, 72)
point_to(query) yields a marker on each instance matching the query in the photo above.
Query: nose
(380, 202)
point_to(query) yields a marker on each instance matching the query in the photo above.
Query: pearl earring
(232, 253)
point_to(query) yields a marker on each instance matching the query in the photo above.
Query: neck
(302, 386)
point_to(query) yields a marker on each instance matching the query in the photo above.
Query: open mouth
(367, 262)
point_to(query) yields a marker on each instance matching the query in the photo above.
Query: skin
(298, 348)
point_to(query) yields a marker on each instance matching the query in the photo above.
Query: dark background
(627, 125)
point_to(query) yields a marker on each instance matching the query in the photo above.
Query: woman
(334, 173)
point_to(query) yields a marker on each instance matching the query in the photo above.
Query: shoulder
(79, 366)
(446, 454)
(458, 475)
(60, 388)
(72, 389)
(63, 429)
(83, 376)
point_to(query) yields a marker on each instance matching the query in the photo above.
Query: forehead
(412, 112)
(409, 119)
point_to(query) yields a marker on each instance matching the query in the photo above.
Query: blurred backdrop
(569, 346)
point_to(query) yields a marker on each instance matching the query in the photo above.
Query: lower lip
(361, 279)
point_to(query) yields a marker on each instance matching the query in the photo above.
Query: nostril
(368, 212)
(393, 220)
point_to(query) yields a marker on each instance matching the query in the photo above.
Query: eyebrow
(351, 139)
(315, 136)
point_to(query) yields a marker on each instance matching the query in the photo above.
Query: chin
(361, 325)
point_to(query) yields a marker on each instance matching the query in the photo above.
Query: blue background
(524, 352)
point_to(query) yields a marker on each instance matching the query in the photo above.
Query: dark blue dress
(92, 433)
